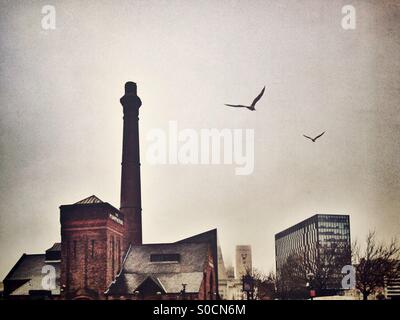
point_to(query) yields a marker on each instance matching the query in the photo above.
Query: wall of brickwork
(209, 286)
(91, 250)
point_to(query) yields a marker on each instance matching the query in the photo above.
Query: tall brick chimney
(131, 205)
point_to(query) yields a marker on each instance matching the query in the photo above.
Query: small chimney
(131, 204)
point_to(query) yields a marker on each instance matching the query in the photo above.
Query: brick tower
(92, 235)
(131, 205)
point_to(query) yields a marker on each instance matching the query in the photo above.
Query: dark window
(112, 254)
(205, 285)
(74, 248)
(118, 254)
(93, 242)
(211, 287)
(166, 257)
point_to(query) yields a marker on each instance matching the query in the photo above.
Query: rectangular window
(92, 253)
(119, 254)
(74, 248)
(112, 255)
(166, 257)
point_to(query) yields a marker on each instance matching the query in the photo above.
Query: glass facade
(319, 240)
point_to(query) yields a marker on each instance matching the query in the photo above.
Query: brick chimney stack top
(130, 100)
(130, 88)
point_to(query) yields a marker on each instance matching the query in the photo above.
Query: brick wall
(91, 250)
(208, 287)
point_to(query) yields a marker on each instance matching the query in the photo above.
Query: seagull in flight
(252, 107)
(314, 139)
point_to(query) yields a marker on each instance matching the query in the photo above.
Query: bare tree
(375, 264)
(264, 285)
(291, 280)
(324, 266)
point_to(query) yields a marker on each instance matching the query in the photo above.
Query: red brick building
(101, 254)
(92, 238)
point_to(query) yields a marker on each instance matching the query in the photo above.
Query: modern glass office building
(320, 240)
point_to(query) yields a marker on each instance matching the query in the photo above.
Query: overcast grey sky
(61, 121)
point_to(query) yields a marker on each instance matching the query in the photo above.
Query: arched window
(205, 285)
(211, 286)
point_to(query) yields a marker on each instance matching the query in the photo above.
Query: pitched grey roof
(29, 269)
(55, 247)
(192, 255)
(168, 282)
(54, 253)
(168, 275)
(211, 238)
(89, 200)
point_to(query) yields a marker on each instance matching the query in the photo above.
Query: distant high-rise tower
(243, 261)
(131, 205)
(323, 242)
